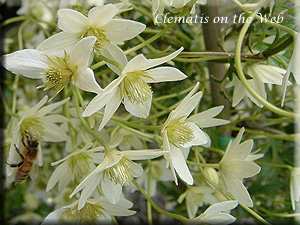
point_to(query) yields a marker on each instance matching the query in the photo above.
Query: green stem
(113, 62)
(84, 123)
(156, 207)
(149, 208)
(258, 217)
(243, 78)
(275, 165)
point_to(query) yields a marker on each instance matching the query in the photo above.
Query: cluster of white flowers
(104, 154)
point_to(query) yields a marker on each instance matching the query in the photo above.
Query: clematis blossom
(131, 87)
(99, 23)
(179, 135)
(236, 165)
(56, 72)
(116, 170)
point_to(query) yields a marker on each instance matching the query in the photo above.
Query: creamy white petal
(236, 188)
(111, 190)
(72, 21)
(112, 51)
(58, 43)
(120, 209)
(139, 62)
(143, 154)
(267, 73)
(139, 110)
(54, 133)
(242, 168)
(88, 189)
(111, 107)
(27, 62)
(82, 51)
(54, 119)
(199, 137)
(85, 80)
(53, 217)
(180, 165)
(101, 15)
(120, 30)
(294, 66)
(36, 110)
(205, 119)
(49, 108)
(162, 74)
(57, 174)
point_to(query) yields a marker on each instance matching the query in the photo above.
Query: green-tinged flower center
(32, 128)
(99, 34)
(121, 173)
(58, 74)
(89, 214)
(80, 163)
(134, 88)
(179, 132)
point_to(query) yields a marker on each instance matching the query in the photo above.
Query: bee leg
(19, 153)
(23, 142)
(15, 164)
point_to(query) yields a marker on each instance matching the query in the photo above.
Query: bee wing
(35, 172)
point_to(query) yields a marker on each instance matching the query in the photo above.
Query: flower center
(58, 74)
(179, 132)
(121, 173)
(32, 128)
(134, 88)
(80, 163)
(99, 34)
(89, 214)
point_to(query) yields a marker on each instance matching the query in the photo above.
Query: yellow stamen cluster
(179, 133)
(80, 163)
(121, 173)
(58, 74)
(134, 88)
(99, 34)
(89, 214)
(32, 128)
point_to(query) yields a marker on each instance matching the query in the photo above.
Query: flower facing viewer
(56, 72)
(179, 134)
(99, 23)
(132, 87)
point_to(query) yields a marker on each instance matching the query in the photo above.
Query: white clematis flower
(216, 214)
(132, 87)
(295, 186)
(77, 164)
(96, 211)
(55, 71)
(99, 23)
(261, 74)
(236, 165)
(39, 124)
(179, 134)
(117, 169)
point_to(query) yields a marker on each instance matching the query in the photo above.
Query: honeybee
(28, 155)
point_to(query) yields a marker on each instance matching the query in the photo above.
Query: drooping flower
(132, 87)
(56, 72)
(216, 214)
(99, 23)
(293, 66)
(98, 210)
(261, 75)
(39, 124)
(235, 166)
(195, 197)
(116, 169)
(295, 186)
(179, 134)
(77, 164)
